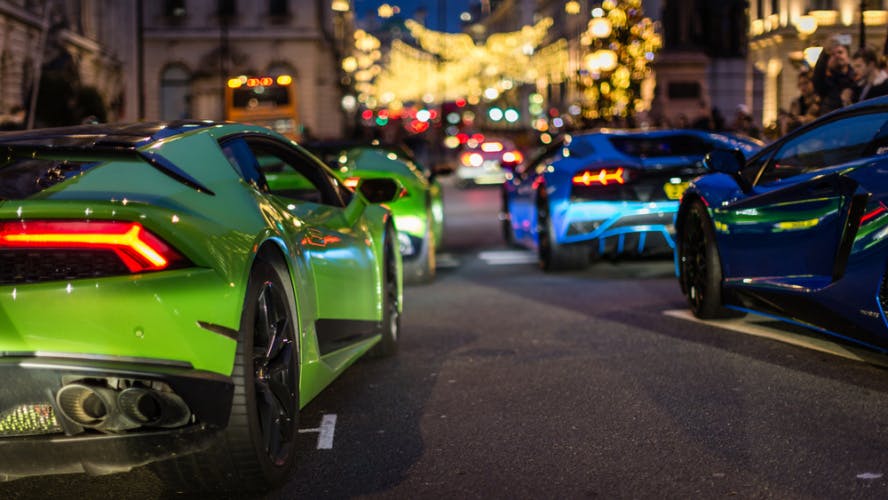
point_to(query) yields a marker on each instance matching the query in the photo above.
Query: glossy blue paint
(808, 246)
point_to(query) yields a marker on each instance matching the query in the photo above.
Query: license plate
(674, 191)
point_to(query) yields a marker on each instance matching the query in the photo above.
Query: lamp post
(862, 24)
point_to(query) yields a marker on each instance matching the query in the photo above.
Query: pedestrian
(804, 108)
(833, 74)
(744, 124)
(872, 80)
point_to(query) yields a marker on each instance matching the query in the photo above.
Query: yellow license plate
(674, 191)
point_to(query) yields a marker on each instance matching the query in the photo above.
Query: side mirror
(726, 161)
(380, 190)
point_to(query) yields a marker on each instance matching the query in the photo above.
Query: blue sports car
(606, 192)
(798, 231)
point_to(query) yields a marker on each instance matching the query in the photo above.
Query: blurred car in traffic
(798, 232)
(485, 160)
(418, 212)
(197, 304)
(608, 192)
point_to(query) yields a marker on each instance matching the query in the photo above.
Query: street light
(572, 7)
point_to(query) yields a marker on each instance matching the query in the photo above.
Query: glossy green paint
(154, 316)
(422, 206)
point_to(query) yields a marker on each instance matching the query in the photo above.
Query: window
(175, 93)
(278, 8)
(227, 8)
(821, 5)
(830, 144)
(281, 170)
(652, 147)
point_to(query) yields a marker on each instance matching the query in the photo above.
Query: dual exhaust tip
(113, 410)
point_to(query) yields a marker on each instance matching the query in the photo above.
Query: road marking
(749, 326)
(325, 431)
(507, 257)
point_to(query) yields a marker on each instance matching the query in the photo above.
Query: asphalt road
(516, 384)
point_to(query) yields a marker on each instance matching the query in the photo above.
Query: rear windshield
(23, 177)
(651, 147)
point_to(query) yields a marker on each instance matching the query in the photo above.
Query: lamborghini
(607, 192)
(796, 232)
(418, 212)
(174, 293)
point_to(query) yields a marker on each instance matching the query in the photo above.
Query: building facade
(80, 50)
(785, 36)
(192, 47)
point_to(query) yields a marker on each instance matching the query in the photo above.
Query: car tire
(390, 325)
(257, 450)
(700, 265)
(506, 221)
(554, 256)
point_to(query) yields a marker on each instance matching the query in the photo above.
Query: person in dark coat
(833, 75)
(872, 79)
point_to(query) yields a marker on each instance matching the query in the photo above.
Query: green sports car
(164, 300)
(418, 212)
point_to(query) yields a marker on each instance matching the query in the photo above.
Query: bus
(269, 101)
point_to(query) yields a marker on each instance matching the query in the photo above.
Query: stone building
(80, 50)
(786, 35)
(192, 47)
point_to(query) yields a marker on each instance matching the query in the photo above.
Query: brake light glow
(472, 159)
(513, 157)
(135, 246)
(601, 177)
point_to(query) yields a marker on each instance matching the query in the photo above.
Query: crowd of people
(838, 79)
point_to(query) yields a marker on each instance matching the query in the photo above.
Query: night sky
(452, 8)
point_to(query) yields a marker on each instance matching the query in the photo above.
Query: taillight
(514, 157)
(470, 159)
(135, 246)
(601, 177)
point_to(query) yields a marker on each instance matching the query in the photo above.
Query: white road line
(506, 257)
(328, 428)
(749, 326)
(325, 431)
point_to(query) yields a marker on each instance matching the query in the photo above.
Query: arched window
(175, 93)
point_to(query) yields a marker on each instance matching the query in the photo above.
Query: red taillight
(601, 177)
(513, 157)
(351, 182)
(134, 245)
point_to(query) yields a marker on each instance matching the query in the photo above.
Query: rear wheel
(700, 265)
(257, 449)
(554, 256)
(390, 326)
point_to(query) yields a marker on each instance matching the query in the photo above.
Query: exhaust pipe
(153, 408)
(110, 410)
(86, 405)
